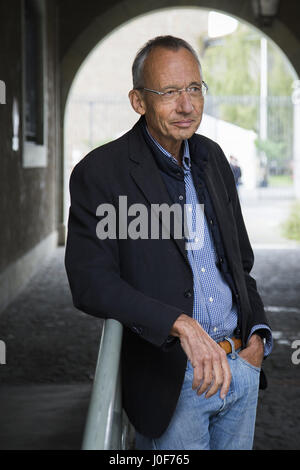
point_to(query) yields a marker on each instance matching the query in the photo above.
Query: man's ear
(137, 102)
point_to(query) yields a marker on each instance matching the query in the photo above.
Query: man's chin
(186, 133)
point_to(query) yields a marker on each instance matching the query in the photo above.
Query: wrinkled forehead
(165, 67)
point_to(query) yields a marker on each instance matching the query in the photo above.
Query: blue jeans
(201, 423)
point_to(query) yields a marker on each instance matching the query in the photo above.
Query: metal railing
(107, 426)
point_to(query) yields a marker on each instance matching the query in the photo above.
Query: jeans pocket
(251, 366)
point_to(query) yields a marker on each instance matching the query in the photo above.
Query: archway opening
(249, 109)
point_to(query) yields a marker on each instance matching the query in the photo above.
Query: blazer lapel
(205, 161)
(221, 205)
(146, 175)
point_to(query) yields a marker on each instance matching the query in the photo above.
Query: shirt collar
(186, 158)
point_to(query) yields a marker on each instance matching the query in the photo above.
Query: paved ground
(278, 419)
(51, 352)
(265, 210)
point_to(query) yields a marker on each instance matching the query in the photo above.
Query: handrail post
(104, 419)
(116, 428)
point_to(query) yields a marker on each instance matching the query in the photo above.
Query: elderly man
(195, 331)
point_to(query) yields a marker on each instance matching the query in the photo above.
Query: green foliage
(273, 150)
(280, 74)
(231, 67)
(280, 181)
(291, 227)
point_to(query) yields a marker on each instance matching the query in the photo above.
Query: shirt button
(215, 329)
(203, 270)
(196, 239)
(211, 299)
(188, 294)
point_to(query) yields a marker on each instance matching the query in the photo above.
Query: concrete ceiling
(83, 24)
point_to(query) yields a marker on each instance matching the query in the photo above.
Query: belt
(227, 346)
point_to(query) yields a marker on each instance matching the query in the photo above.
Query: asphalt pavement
(51, 350)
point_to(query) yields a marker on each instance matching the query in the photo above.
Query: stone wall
(27, 195)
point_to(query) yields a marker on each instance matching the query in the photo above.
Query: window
(34, 77)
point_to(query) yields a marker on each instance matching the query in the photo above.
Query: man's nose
(184, 102)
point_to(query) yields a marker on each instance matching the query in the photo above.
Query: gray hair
(167, 42)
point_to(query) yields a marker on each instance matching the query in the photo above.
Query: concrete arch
(124, 11)
(88, 31)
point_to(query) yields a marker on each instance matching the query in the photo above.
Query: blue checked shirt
(213, 307)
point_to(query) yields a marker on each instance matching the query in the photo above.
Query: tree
(231, 67)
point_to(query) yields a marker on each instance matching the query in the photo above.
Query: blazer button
(237, 331)
(137, 329)
(188, 294)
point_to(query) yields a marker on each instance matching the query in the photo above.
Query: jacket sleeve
(93, 268)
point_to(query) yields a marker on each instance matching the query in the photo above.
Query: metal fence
(105, 118)
(279, 127)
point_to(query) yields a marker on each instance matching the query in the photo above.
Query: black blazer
(146, 284)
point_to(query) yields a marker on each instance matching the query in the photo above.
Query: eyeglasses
(194, 92)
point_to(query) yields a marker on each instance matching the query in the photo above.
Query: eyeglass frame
(162, 93)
